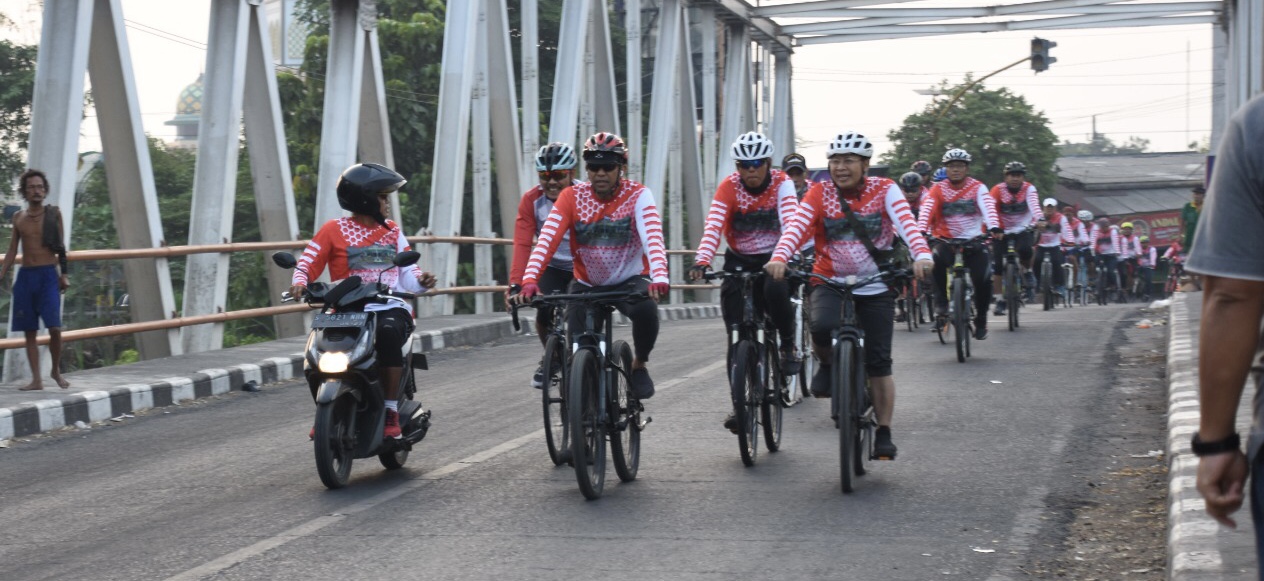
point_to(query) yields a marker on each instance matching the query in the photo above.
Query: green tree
(17, 85)
(1099, 144)
(994, 125)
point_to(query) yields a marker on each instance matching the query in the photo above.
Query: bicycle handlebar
(544, 300)
(851, 283)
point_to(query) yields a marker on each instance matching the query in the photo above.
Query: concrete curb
(94, 406)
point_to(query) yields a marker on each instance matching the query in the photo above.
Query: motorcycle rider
(363, 245)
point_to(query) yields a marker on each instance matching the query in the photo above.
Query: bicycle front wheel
(744, 384)
(556, 434)
(1046, 284)
(770, 404)
(625, 442)
(588, 428)
(961, 317)
(1011, 288)
(842, 384)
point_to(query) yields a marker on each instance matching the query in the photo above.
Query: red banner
(1163, 228)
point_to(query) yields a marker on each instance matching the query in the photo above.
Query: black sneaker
(883, 448)
(821, 382)
(642, 386)
(901, 317)
(789, 362)
(537, 380)
(1000, 308)
(980, 333)
(730, 423)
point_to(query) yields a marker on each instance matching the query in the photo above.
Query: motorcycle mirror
(284, 260)
(406, 258)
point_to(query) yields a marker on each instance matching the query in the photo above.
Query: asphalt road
(227, 489)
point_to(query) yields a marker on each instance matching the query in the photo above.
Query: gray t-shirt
(1231, 230)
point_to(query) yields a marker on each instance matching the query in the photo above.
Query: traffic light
(1040, 59)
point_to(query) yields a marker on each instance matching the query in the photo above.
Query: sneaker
(730, 423)
(883, 447)
(1000, 307)
(1029, 279)
(642, 386)
(392, 425)
(901, 317)
(312, 434)
(821, 382)
(537, 380)
(789, 362)
(980, 333)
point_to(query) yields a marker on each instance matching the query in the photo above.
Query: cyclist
(922, 168)
(960, 208)
(616, 240)
(1055, 233)
(1017, 207)
(1146, 261)
(883, 212)
(1085, 247)
(750, 210)
(1129, 248)
(911, 185)
(363, 245)
(796, 168)
(941, 174)
(555, 164)
(1078, 233)
(1105, 237)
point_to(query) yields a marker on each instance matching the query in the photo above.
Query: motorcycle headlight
(333, 362)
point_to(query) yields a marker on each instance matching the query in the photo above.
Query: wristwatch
(1228, 444)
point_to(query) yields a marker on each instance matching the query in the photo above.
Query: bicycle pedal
(645, 421)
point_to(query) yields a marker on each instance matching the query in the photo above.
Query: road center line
(312, 526)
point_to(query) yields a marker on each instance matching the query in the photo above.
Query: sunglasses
(602, 167)
(751, 163)
(557, 175)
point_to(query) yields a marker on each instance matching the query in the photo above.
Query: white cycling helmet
(751, 146)
(1085, 215)
(555, 156)
(850, 142)
(1049, 202)
(956, 155)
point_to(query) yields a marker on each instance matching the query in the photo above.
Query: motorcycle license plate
(328, 320)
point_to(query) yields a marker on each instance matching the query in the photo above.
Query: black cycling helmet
(922, 167)
(910, 181)
(360, 184)
(1015, 167)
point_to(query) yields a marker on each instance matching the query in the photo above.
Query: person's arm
(63, 281)
(551, 234)
(650, 227)
(717, 218)
(787, 203)
(988, 205)
(901, 217)
(1068, 232)
(796, 231)
(929, 204)
(313, 259)
(524, 238)
(1033, 204)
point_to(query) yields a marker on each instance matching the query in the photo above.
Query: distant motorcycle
(341, 369)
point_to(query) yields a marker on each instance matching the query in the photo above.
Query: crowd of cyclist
(577, 235)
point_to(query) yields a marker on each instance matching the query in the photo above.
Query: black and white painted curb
(96, 406)
(1195, 540)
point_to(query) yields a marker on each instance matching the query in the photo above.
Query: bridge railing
(234, 247)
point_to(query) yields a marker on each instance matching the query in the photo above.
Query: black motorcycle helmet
(360, 184)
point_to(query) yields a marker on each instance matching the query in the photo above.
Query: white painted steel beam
(667, 55)
(604, 97)
(992, 27)
(568, 76)
(941, 13)
(341, 118)
(689, 178)
(709, 31)
(269, 163)
(512, 176)
(782, 127)
(530, 50)
(635, 123)
(211, 215)
(737, 88)
(447, 189)
(130, 177)
(794, 9)
(480, 137)
(374, 138)
(762, 28)
(1035, 24)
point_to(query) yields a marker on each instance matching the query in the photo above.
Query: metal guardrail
(175, 251)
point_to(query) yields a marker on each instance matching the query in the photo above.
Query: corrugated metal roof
(1099, 172)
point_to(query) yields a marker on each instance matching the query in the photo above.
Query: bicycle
(756, 382)
(1082, 278)
(796, 385)
(1128, 280)
(960, 297)
(911, 301)
(1068, 280)
(851, 403)
(1046, 280)
(598, 404)
(1107, 280)
(552, 396)
(1011, 285)
(1175, 270)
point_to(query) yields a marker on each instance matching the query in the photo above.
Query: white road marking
(312, 526)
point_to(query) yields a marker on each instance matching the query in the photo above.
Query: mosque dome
(190, 102)
(188, 115)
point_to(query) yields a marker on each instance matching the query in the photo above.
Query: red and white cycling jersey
(964, 213)
(1129, 246)
(750, 224)
(611, 241)
(1019, 210)
(1148, 258)
(349, 248)
(1077, 230)
(533, 210)
(881, 210)
(1057, 233)
(1105, 242)
(1174, 253)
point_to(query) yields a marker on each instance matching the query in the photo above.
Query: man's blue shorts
(36, 295)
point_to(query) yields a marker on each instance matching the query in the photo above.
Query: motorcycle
(340, 365)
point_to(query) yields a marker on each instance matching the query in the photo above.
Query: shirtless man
(37, 291)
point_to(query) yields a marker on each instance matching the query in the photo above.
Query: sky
(1153, 83)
